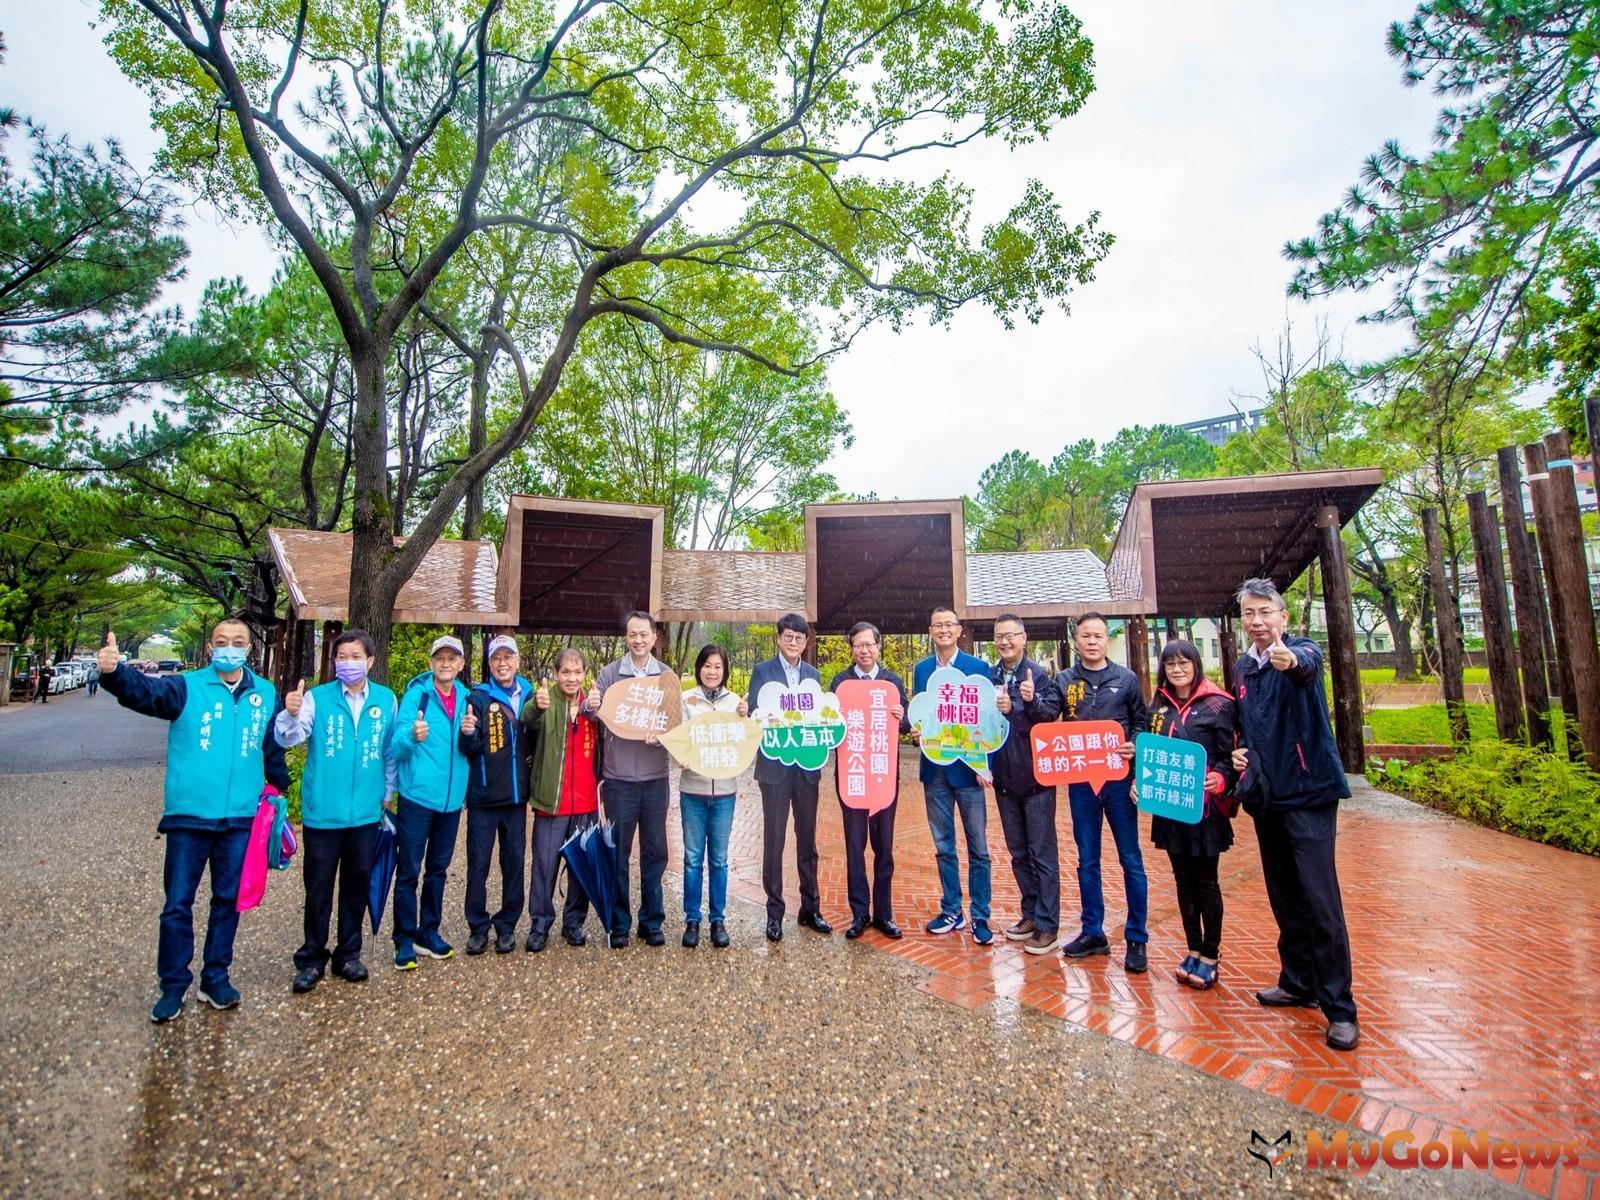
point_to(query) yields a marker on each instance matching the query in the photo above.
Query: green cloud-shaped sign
(799, 725)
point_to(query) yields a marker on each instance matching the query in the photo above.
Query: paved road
(77, 732)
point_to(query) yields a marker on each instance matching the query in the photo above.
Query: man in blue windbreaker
(220, 755)
(432, 778)
(349, 777)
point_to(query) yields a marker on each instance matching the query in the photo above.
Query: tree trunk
(373, 586)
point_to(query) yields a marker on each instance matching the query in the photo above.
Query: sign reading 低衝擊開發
(718, 745)
(957, 720)
(800, 724)
(637, 706)
(1170, 777)
(869, 757)
(1067, 752)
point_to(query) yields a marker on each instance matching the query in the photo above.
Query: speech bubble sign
(635, 706)
(1171, 777)
(800, 724)
(958, 720)
(1066, 752)
(718, 745)
(869, 756)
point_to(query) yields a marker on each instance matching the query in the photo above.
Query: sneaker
(219, 995)
(1083, 946)
(945, 923)
(1135, 960)
(405, 959)
(1043, 941)
(1021, 931)
(436, 947)
(1185, 971)
(981, 933)
(168, 1008)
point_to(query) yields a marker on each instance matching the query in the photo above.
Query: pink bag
(253, 879)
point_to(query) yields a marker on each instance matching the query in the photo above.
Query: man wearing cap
(432, 774)
(497, 796)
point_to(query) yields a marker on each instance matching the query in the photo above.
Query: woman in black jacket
(1190, 707)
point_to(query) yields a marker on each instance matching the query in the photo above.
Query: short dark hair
(793, 622)
(1091, 616)
(231, 619)
(356, 635)
(1179, 648)
(707, 651)
(567, 653)
(939, 608)
(637, 614)
(1013, 619)
(862, 627)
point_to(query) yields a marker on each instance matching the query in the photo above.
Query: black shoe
(354, 971)
(619, 941)
(856, 928)
(719, 935)
(888, 928)
(774, 929)
(576, 938)
(505, 943)
(691, 934)
(536, 942)
(1277, 997)
(1083, 946)
(477, 943)
(815, 921)
(1343, 1035)
(1135, 961)
(653, 937)
(307, 978)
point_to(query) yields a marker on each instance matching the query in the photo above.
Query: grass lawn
(1426, 724)
(1382, 676)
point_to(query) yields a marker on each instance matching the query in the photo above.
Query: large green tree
(707, 147)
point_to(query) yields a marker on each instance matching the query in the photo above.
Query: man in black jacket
(1097, 689)
(1291, 782)
(1027, 811)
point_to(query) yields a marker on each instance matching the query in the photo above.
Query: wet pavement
(77, 732)
(813, 1067)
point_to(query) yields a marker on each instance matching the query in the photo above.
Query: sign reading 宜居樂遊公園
(800, 724)
(956, 716)
(869, 759)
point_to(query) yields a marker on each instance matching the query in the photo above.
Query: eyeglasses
(1008, 637)
(946, 625)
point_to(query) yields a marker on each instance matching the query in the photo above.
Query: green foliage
(1511, 788)
(1426, 724)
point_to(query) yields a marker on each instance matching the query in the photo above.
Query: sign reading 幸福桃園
(1170, 777)
(869, 757)
(636, 706)
(956, 716)
(799, 724)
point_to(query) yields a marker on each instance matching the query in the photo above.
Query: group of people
(506, 748)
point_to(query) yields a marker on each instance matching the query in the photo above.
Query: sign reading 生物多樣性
(636, 706)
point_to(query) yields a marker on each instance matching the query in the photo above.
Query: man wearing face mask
(220, 755)
(349, 779)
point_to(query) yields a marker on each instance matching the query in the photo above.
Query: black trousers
(792, 792)
(549, 835)
(508, 825)
(1297, 867)
(1028, 820)
(859, 829)
(1199, 901)
(348, 854)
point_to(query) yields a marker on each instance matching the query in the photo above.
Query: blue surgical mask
(350, 673)
(228, 659)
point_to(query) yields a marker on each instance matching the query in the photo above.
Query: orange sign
(1078, 752)
(869, 756)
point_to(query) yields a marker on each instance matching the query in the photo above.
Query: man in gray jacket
(634, 791)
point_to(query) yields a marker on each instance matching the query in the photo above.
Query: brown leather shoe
(1021, 931)
(1277, 997)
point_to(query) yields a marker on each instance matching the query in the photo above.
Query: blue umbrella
(591, 858)
(383, 860)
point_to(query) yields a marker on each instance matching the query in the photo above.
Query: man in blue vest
(348, 780)
(947, 788)
(432, 783)
(220, 756)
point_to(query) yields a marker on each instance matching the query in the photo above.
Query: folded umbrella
(591, 858)
(383, 862)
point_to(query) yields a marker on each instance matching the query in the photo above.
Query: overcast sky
(1216, 131)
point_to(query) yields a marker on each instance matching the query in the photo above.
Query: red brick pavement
(1477, 970)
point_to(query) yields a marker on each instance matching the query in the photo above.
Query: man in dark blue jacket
(788, 788)
(948, 788)
(1027, 810)
(1291, 782)
(1097, 689)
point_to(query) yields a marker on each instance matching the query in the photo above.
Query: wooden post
(1544, 523)
(1530, 621)
(330, 630)
(1497, 643)
(1137, 633)
(1447, 630)
(1228, 639)
(1570, 578)
(1345, 668)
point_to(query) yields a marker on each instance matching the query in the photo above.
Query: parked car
(170, 666)
(150, 667)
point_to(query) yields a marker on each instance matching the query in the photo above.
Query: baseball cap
(503, 642)
(446, 643)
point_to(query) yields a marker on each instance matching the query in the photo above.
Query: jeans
(707, 823)
(942, 801)
(639, 806)
(422, 837)
(1028, 821)
(188, 854)
(1119, 811)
